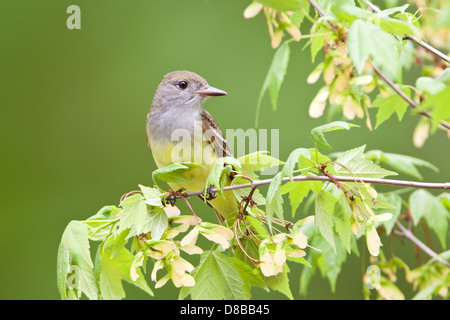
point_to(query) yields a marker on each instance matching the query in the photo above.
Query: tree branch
(257, 183)
(383, 76)
(410, 236)
(405, 97)
(316, 7)
(424, 45)
(429, 48)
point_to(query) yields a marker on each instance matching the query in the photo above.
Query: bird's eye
(182, 84)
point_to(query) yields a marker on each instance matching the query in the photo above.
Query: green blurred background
(73, 110)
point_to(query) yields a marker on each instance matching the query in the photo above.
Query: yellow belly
(202, 153)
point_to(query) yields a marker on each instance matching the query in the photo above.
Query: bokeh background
(73, 108)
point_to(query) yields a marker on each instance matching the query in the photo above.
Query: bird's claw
(210, 195)
(172, 197)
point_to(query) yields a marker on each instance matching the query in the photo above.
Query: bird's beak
(211, 92)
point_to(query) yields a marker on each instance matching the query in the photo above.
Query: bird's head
(183, 89)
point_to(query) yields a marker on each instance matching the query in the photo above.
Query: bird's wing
(214, 135)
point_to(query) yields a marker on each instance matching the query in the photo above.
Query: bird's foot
(173, 196)
(210, 195)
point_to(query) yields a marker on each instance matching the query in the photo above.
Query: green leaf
(274, 199)
(358, 165)
(158, 222)
(445, 75)
(424, 205)
(298, 191)
(445, 200)
(111, 271)
(257, 161)
(99, 230)
(390, 11)
(397, 26)
(358, 45)
(388, 105)
(274, 77)
(349, 12)
(367, 40)
(317, 42)
(218, 172)
(325, 204)
(443, 19)
(318, 133)
(298, 16)
(389, 291)
(100, 225)
(133, 215)
(280, 282)
(140, 218)
(105, 213)
(288, 169)
(249, 278)
(401, 163)
(175, 172)
(251, 248)
(342, 215)
(394, 200)
(152, 195)
(74, 257)
(116, 241)
(333, 259)
(427, 292)
(217, 277)
(315, 158)
(439, 102)
(430, 85)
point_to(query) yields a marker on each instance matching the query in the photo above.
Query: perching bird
(180, 130)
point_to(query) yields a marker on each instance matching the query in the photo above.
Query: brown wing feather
(214, 135)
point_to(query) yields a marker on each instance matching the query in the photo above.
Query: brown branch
(386, 79)
(429, 48)
(316, 7)
(248, 199)
(410, 236)
(424, 45)
(258, 183)
(405, 97)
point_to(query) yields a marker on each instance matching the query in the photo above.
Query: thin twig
(240, 245)
(249, 198)
(410, 236)
(382, 76)
(189, 205)
(424, 45)
(405, 97)
(316, 7)
(258, 183)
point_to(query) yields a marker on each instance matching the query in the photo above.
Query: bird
(179, 129)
